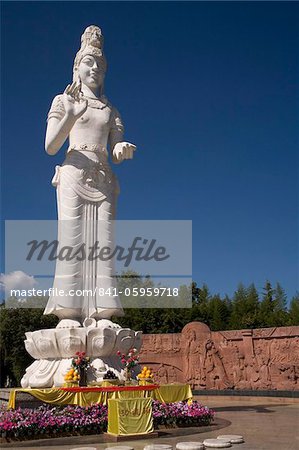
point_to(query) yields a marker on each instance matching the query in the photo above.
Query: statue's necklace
(95, 102)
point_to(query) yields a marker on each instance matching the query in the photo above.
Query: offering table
(84, 396)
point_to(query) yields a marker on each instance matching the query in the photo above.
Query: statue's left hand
(123, 150)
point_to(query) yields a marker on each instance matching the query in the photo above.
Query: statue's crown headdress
(92, 43)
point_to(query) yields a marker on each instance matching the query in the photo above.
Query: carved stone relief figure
(167, 343)
(229, 352)
(172, 375)
(157, 343)
(194, 373)
(216, 376)
(162, 374)
(176, 343)
(263, 380)
(146, 344)
(239, 375)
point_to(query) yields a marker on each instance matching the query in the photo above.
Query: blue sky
(208, 92)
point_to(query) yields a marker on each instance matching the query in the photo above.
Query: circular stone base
(189, 446)
(216, 443)
(157, 447)
(84, 448)
(120, 447)
(232, 438)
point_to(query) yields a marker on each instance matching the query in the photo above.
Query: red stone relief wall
(264, 358)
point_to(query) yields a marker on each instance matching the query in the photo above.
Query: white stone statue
(87, 189)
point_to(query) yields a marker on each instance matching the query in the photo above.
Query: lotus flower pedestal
(53, 350)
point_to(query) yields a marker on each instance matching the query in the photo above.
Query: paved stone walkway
(265, 423)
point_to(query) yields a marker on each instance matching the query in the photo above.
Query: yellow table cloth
(169, 393)
(172, 393)
(130, 416)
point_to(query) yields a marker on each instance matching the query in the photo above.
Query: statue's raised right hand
(73, 103)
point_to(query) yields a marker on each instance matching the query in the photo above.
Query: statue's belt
(95, 148)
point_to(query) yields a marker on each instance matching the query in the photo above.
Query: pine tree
(294, 310)
(267, 306)
(250, 317)
(218, 313)
(238, 308)
(280, 298)
(200, 306)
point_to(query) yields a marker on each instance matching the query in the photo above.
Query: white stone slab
(84, 448)
(216, 443)
(158, 447)
(232, 438)
(120, 447)
(189, 446)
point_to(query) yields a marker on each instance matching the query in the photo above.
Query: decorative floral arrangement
(48, 421)
(130, 360)
(80, 361)
(145, 374)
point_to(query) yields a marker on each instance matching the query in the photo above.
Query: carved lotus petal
(43, 375)
(45, 342)
(101, 342)
(125, 338)
(31, 349)
(138, 340)
(62, 369)
(29, 371)
(70, 341)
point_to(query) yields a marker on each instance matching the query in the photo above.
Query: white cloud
(17, 280)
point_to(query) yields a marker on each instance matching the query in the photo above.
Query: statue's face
(92, 71)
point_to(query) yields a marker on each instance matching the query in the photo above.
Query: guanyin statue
(87, 189)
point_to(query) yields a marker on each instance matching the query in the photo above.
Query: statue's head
(90, 63)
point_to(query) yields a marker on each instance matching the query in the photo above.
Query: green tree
(238, 307)
(14, 323)
(273, 309)
(280, 312)
(200, 301)
(218, 313)
(267, 306)
(250, 316)
(294, 310)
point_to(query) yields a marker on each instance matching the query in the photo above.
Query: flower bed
(48, 421)
(181, 414)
